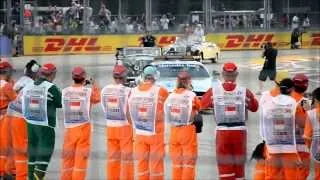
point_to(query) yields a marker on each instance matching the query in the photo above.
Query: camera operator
(269, 66)
(148, 40)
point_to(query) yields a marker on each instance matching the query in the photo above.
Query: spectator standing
(164, 21)
(155, 25)
(105, 14)
(306, 23)
(295, 22)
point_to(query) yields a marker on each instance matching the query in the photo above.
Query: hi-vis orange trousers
(259, 171)
(316, 171)
(282, 166)
(183, 152)
(13, 143)
(120, 153)
(76, 150)
(150, 151)
(304, 170)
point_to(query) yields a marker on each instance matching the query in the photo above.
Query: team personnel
(180, 109)
(312, 131)
(300, 84)
(16, 125)
(77, 101)
(148, 40)
(278, 131)
(7, 95)
(231, 103)
(146, 111)
(269, 66)
(118, 130)
(39, 103)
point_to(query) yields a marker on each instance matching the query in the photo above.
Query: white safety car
(197, 47)
(168, 70)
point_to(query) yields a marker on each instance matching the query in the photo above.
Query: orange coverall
(308, 132)
(301, 115)
(119, 142)
(7, 94)
(184, 146)
(150, 149)
(76, 146)
(280, 166)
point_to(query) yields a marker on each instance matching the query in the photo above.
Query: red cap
(78, 73)
(229, 67)
(48, 69)
(300, 79)
(119, 70)
(184, 75)
(5, 65)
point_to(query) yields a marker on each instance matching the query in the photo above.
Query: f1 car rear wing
(130, 51)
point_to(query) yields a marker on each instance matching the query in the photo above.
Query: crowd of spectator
(70, 20)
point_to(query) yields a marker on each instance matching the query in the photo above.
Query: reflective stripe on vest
(229, 106)
(76, 105)
(278, 118)
(143, 110)
(178, 108)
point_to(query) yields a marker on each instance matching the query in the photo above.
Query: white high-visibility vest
(15, 106)
(76, 106)
(301, 145)
(114, 104)
(229, 106)
(143, 110)
(315, 144)
(34, 103)
(178, 108)
(278, 123)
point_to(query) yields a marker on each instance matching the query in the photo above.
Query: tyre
(214, 60)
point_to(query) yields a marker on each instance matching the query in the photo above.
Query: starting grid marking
(294, 64)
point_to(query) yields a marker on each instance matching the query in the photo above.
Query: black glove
(198, 122)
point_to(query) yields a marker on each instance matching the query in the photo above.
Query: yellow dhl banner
(100, 44)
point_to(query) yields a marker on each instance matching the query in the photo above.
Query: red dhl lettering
(251, 41)
(165, 40)
(71, 44)
(315, 39)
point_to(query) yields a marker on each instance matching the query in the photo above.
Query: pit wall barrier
(105, 44)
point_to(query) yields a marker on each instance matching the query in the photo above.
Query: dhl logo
(247, 41)
(163, 41)
(71, 44)
(315, 39)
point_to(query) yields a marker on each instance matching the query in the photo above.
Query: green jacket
(54, 102)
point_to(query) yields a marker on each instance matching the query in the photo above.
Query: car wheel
(214, 60)
(201, 57)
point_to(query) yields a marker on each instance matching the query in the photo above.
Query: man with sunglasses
(114, 99)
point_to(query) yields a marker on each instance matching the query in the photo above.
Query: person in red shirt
(230, 103)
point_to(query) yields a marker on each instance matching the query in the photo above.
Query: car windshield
(141, 50)
(172, 70)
